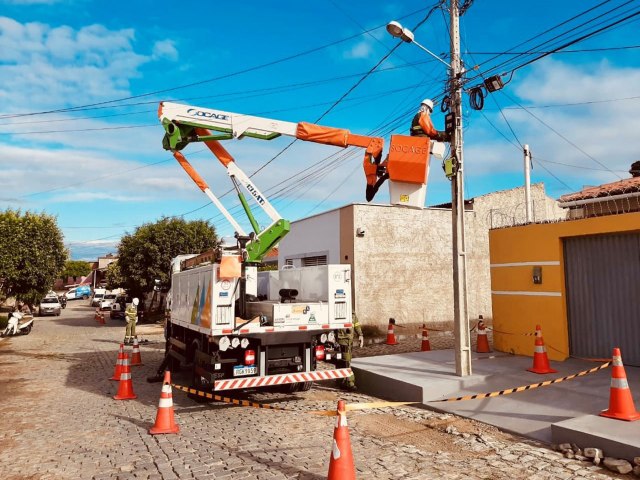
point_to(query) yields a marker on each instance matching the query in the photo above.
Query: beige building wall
(403, 264)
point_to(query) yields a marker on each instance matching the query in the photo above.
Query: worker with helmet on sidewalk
(131, 316)
(422, 126)
(345, 339)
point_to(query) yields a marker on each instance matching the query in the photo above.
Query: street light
(454, 70)
(396, 30)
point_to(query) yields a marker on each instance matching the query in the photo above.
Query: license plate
(240, 371)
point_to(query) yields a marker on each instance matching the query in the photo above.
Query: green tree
(114, 276)
(33, 254)
(146, 254)
(75, 268)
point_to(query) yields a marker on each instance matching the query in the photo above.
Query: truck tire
(306, 386)
(195, 378)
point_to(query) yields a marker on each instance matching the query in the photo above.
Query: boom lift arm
(185, 124)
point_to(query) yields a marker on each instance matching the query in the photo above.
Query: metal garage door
(603, 295)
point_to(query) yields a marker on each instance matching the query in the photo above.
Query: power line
(562, 136)
(582, 50)
(574, 104)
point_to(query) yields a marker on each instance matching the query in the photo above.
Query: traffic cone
(118, 369)
(391, 337)
(96, 316)
(621, 405)
(426, 346)
(482, 342)
(102, 321)
(125, 388)
(540, 359)
(135, 356)
(341, 466)
(165, 423)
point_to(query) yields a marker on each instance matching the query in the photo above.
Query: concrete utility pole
(461, 316)
(527, 182)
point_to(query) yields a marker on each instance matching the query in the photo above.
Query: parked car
(98, 295)
(81, 291)
(107, 301)
(119, 306)
(49, 306)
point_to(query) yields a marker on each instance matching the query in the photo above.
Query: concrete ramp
(427, 377)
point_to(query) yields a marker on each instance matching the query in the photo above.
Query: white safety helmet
(428, 103)
(136, 302)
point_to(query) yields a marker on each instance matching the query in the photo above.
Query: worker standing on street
(422, 126)
(345, 339)
(131, 315)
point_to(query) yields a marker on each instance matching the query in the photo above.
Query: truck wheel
(195, 378)
(291, 387)
(84, 297)
(306, 386)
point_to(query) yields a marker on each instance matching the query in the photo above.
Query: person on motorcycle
(131, 315)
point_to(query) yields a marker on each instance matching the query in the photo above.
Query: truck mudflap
(282, 379)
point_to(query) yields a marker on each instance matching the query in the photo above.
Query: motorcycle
(18, 324)
(63, 301)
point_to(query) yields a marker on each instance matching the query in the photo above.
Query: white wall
(310, 237)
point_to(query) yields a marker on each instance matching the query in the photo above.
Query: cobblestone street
(59, 421)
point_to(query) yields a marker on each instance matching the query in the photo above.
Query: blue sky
(102, 170)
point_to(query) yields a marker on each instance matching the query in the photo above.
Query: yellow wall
(515, 314)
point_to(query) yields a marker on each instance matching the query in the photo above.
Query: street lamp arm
(431, 53)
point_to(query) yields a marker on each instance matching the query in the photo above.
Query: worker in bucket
(345, 339)
(422, 126)
(131, 316)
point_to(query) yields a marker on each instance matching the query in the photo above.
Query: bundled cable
(476, 97)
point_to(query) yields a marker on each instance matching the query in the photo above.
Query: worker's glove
(361, 341)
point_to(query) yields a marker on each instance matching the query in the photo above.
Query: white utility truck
(233, 335)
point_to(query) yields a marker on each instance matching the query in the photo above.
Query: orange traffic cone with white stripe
(96, 316)
(391, 337)
(482, 342)
(118, 370)
(621, 406)
(165, 423)
(135, 356)
(540, 359)
(125, 388)
(426, 346)
(341, 466)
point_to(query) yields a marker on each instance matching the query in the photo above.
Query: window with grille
(289, 261)
(314, 261)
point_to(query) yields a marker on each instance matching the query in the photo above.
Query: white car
(49, 306)
(98, 295)
(107, 301)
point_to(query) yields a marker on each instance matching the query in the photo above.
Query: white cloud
(44, 66)
(165, 49)
(362, 49)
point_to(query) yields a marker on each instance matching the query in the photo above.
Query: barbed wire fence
(600, 203)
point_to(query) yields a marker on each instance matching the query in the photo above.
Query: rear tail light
(320, 352)
(249, 357)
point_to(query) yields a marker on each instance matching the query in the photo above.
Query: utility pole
(461, 316)
(527, 182)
